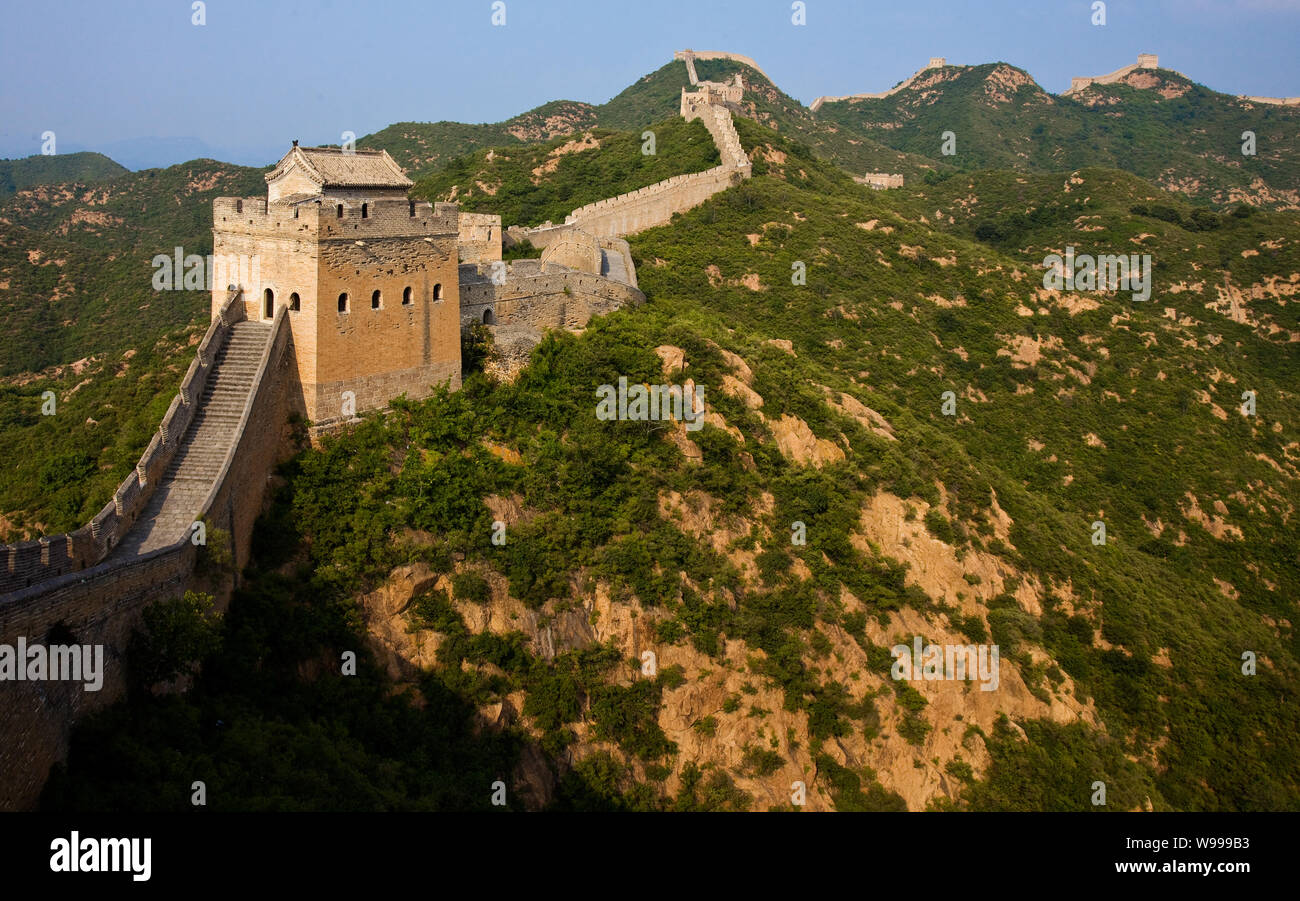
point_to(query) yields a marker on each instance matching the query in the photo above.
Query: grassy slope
(422, 148)
(63, 468)
(1194, 734)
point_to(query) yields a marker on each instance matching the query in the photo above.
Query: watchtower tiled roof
(332, 167)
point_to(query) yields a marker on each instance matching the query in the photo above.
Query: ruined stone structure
(936, 62)
(880, 180)
(539, 294)
(576, 249)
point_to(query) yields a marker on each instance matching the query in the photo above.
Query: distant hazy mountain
(43, 170)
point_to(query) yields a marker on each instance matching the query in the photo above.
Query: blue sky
(124, 77)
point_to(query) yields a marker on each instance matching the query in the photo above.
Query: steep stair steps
(193, 470)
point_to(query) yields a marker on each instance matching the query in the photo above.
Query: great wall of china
(198, 487)
(140, 548)
(214, 450)
(1144, 61)
(1152, 61)
(656, 204)
(936, 62)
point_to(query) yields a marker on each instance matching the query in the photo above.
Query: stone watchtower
(368, 278)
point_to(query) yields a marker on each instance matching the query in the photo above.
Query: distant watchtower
(368, 277)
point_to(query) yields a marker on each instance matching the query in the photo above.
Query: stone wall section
(577, 249)
(29, 563)
(1144, 61)
(235, 499)
(480, 237)
(655, 205)
(543, 296)
(102, 605)
(689, 56)
(1272, 101)
(936, 62)
(617, 248)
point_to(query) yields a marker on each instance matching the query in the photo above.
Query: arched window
(374, 300)
(343, 302)
(268, 303)
(365, 210)
(406, 297)
(437, 292)
(340, 210)
(488, 318)
(294, 303)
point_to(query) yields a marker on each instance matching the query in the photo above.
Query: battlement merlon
(318, 218)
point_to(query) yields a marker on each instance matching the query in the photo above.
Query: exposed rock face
(403, 652)
(723, 711)
(797, 442)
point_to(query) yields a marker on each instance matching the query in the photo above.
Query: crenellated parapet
(320, 218)
(29, 563)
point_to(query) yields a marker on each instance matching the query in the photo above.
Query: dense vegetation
(422, 148)
(529, 185)
(63, 467)
(76, 260)
(85, 168)
(83, 320)
(1070, 408)
(1180, 135)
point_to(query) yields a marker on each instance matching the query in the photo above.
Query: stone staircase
(193, 470)
(723, 130)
